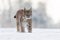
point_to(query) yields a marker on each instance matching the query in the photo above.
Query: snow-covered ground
(37, 34)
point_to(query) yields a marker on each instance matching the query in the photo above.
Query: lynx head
(28, 12)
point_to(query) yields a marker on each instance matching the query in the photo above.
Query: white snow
(37, 34)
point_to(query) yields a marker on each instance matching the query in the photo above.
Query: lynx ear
(24, 8)
(31, 9)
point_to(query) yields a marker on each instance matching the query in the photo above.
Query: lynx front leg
(29, 28)
(29, 25)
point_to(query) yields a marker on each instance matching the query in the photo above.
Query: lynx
(21, 15)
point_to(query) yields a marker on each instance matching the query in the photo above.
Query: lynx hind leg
(22, 27)
(29, 25)
(17, 21)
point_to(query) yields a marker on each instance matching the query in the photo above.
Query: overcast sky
(53, 10)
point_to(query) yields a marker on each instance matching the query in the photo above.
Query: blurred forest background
(8, 9)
